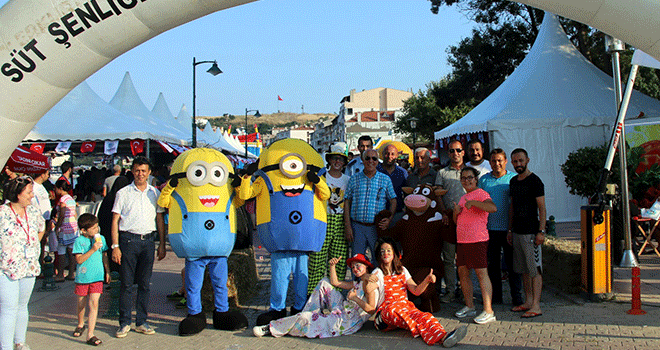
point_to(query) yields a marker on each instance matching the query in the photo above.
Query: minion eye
(196, 174)
(292, 165)
(426, 191)
(416, 190)
(218, 174)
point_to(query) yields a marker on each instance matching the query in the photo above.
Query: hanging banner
(63, 147)
(110, 147)
(22, 160)
(38, 147)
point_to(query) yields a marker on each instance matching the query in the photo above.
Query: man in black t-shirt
(527, 233)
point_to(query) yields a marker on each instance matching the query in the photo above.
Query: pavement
(568, 321)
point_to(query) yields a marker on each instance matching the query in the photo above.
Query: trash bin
(596, 255)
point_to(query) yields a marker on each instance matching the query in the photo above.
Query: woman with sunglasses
(346, 315)
(471, 217)
(21, 230)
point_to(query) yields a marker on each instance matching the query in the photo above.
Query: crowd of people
(493, 222)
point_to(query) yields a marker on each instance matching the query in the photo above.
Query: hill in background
(268, 121)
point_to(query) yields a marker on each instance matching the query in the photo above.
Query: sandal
(78, 331)
(94, 341)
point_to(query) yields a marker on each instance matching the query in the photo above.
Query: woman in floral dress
(343, 316)
(397, 311)
(21, 230)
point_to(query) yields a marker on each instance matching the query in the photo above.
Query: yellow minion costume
(202, 229)
(291, 216)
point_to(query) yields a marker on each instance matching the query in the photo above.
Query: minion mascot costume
(202, 229)
(291, 217)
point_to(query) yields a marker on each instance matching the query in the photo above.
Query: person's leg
(494, 263)
(82, 302)
(218, 273)
(143, 270)
(527, 288)
(129, 256)
(520, 267)
(486, 289)
(466, 286)
(359, 239)
(281, 265)
(61, 263)
(72, 263)
(300, 281)
(339, 247)
(372, 237)
(25, 286)
(448, 259)
(193, 282)
(537, 284)
(9, 290)
(515, 281)
(93, 312)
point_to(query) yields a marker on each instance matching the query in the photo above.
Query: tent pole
(148, 148)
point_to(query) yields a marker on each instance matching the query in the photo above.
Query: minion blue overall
(291, 217)
(202, 229)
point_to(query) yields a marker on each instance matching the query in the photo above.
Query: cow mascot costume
(202, 229)
(291, 217)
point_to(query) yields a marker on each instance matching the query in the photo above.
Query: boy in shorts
(93, 268)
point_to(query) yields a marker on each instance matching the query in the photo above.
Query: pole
(194, 122)
(246, 134)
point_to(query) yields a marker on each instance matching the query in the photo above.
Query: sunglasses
(23, 180)
(456, 150)
(375, 159)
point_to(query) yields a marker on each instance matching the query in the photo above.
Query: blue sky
(311, 53)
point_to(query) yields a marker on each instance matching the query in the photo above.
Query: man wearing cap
(335, 245)
(368, 193)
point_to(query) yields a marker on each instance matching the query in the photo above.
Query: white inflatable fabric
(633, 21)
(49, 47)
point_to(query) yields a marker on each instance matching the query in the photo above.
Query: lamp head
(214, 69)
(257, 115)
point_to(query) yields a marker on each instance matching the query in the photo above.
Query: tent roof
(82, 115)
(554, 85)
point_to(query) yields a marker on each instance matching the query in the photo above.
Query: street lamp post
(256, 115)
(214, 70)
(413, 126)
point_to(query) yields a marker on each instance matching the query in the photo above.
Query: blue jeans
(14, 297)
(283, 264)
(137, 261)
(195, 280)
(364, 237)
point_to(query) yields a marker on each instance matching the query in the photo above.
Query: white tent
(127, 100)
(84, 116)
(162, 113)
(555, 102)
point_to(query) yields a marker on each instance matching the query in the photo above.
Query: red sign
(87, 146)
(22, 160)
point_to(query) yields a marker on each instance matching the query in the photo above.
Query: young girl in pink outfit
(471, 217)
(66, 228)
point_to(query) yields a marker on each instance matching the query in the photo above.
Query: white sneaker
(260, 331)
(452, 338)
(145, 329)
(122, 332)
(466, 312)
(485, 317)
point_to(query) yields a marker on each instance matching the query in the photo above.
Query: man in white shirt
(135, 218)
(475, 150)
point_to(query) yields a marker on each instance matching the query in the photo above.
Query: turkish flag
(38, 147)
(87, 146)
(137, 146)
(279, 98)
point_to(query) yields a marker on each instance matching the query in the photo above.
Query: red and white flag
(38, 147)
(137, 146)
(279, 98)
(87, 146)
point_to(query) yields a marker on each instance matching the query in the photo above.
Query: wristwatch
(114, 246)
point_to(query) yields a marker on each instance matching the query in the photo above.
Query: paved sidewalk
(568, 322)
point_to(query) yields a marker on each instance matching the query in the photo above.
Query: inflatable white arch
(49, 47)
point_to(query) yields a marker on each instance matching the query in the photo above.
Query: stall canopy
(555, 102)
